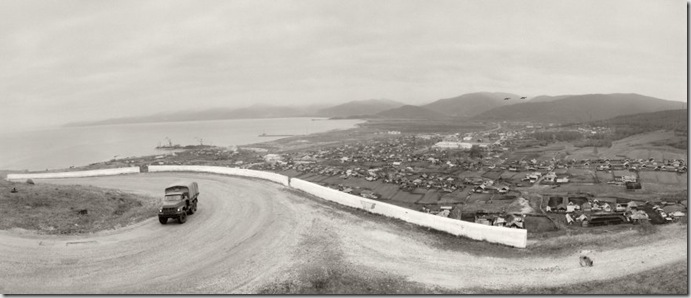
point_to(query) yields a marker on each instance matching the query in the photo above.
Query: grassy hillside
(676, 120)
(673, 121)
(54, 209)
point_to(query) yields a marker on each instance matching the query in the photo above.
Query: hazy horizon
(69, 61)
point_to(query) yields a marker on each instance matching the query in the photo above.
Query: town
(517, 175)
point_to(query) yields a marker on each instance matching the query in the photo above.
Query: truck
(180, 200)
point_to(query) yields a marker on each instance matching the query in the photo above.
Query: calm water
(78, 146)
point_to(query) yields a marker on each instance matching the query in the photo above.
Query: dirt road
(248, 233)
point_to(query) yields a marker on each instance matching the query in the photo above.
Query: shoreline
(245, 139)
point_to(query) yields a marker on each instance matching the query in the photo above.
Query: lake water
(77, 146)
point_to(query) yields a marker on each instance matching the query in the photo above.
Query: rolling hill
(411, 112)
(667, 120)
(579, 108)
(359, 107)
(546, 98)
(670, 121)
(471, 104)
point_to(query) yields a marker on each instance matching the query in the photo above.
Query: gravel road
(248, 233)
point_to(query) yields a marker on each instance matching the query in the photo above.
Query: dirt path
(248, 233)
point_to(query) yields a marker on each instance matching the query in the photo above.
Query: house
(631, 205)
(629, 178)
(625, 178)
(563, 180)
(272, 158)
(305, 160)
(586, 207)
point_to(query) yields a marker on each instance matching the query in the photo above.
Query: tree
(475, 152)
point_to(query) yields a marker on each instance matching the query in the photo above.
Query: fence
(76, 174)
(278, 178)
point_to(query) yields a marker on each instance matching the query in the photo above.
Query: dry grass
(327, 272)
(342, 280)
(670, 280)
(54, 209)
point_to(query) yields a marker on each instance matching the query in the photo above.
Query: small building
(562, 180)
(273, 158)
(586, 207)
(453, 145)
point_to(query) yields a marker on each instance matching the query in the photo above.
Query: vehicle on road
(180, 200)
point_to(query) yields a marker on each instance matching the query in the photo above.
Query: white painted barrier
(278, 178)
(76, 174)
(501, 235)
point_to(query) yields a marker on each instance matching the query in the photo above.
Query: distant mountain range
(482, 106)
(411, 112)
(471, 104)
(360, 107)
(546, 98)
(578, 108)
(252, 112)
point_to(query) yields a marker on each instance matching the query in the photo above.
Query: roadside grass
(326, 272)
(55, 209)
(670, 279)
(342, 281)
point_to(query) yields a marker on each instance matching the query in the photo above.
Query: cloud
(73, 60)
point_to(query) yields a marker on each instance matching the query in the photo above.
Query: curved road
(248, 233)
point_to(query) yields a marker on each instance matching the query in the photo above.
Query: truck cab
(180, 200)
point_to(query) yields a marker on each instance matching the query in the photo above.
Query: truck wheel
(182, 218)
(163, 220)
(194, 208)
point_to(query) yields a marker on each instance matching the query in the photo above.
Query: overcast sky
(63, 61)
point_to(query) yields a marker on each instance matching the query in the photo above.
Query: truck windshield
(172, 198)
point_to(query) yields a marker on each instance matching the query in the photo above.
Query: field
(580, 175)
(642, 146)
(660, 177)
